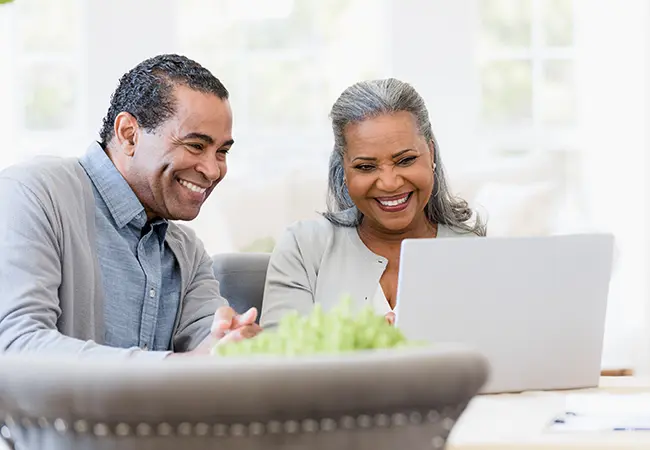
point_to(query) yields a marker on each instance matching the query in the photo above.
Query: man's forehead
(203, 113)
(192, 101)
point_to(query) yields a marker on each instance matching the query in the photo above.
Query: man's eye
(225, 151)
(195, 146)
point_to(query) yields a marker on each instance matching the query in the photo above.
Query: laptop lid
(535, 306)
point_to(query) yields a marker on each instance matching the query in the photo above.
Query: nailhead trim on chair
(143, 429)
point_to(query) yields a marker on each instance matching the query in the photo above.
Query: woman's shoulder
(310, 233)
(449, 231)
(309, 229)
(316, 237)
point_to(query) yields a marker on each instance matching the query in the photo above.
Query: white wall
(614, 51)
(132, 32)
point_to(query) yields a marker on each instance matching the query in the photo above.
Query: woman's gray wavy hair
(368, 99)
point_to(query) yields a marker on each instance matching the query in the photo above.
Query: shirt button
(152, 292)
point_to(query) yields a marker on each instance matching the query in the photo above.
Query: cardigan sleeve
(293, 270)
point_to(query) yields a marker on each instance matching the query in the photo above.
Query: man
(90, 262)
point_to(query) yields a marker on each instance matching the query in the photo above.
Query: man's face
(174, 168)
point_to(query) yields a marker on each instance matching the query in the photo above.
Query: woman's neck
(376, 237)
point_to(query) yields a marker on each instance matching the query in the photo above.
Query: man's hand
(227, 326)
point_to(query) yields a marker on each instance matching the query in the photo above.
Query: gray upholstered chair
(397, 399)
(241, 277)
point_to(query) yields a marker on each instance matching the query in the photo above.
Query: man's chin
(185, 215)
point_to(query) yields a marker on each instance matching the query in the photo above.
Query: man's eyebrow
(203, 137)
(207, 139)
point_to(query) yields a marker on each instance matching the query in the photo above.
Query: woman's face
(388, 170)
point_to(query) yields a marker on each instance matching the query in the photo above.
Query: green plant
(337, 331)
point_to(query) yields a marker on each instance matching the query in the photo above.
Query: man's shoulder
(47, 175)
(183, 233)
(185, 243)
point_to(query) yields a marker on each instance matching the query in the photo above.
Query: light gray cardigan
(52, 295)
(316, 261)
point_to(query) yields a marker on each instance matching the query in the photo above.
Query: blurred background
(541, 107)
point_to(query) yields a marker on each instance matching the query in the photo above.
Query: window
(526, 59)
(528, 114)
(284, 64)
(551, 114)
(44, 58)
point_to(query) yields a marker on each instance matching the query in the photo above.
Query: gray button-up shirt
(139, 270)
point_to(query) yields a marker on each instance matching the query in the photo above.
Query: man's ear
(126, 130)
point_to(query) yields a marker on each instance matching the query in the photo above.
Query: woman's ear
(433, 154)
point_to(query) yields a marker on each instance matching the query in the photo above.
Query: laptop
(534, 306)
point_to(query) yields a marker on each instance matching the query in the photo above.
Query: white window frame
(537, 136)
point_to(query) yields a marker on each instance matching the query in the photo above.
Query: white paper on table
(604, 412)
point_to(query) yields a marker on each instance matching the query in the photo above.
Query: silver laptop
(535, 307)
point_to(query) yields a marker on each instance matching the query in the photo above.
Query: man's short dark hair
(146, 91)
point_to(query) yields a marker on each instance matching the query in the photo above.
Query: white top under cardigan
(316, 261)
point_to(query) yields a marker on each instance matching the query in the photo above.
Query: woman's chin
(396, 225)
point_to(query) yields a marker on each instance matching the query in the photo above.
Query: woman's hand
(390, 318)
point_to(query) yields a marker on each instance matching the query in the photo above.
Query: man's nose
(210, 169)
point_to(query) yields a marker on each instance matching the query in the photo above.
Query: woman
(386, 183)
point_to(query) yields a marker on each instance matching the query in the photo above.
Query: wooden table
(520, 421)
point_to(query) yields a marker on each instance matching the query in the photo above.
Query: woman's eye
(406, 161)
(364, 167)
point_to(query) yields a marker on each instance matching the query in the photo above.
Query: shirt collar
(120, 199)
